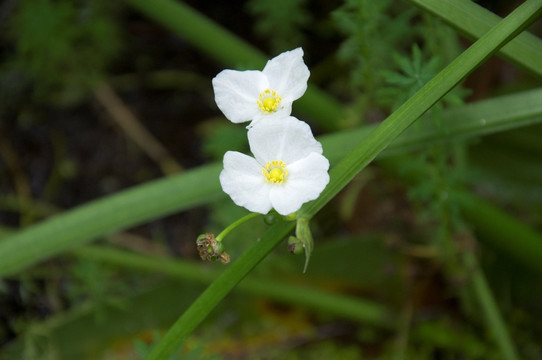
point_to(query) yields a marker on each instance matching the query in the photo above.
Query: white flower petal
(288, 74)
(287, 139)
(312, 171)
(307, 178)
(236, 93)
(243, 181)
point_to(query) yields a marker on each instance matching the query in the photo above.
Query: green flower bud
(295, 246)
(290, 217)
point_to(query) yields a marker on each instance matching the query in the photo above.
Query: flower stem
(235, 224)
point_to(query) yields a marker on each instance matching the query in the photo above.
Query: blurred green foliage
(413, 73)
(64, 44)
(280, 23)
(374, 30)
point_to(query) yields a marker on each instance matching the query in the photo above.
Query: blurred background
(97, 97)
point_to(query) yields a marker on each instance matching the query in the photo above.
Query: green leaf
(474, 21)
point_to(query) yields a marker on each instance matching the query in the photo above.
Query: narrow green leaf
(474, 21)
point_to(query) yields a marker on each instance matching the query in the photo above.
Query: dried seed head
(211, 250)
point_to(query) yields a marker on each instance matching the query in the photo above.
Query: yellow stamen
(275, 172)
(268, 101)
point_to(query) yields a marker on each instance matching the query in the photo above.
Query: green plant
(456, 218)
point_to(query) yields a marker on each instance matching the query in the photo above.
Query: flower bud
(295, 246)
(211, 250)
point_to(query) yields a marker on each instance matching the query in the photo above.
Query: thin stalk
(125, 118)
(489, 307)
(235, 224)
(400, 346)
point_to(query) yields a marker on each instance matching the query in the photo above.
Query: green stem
(490, 309)
(235, 224)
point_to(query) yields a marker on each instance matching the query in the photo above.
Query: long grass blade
(474, 21)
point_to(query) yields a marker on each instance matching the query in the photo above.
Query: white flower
(253, 95)
(288, 168)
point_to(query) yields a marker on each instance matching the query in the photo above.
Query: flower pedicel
(254, 95)
(288, 168)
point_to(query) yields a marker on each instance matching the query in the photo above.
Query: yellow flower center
(275, 172)
(268, 101)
